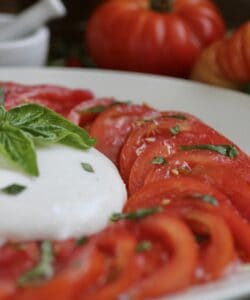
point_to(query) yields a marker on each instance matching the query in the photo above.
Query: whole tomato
(133, 35)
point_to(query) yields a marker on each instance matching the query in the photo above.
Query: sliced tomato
(166, 128)
(118, 247)
(112, 127)
(169, 190)
(85, 113)
(178, 271)
(60, 99)
(217, 252)
(228, 175)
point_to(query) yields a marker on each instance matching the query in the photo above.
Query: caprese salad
(108, 200)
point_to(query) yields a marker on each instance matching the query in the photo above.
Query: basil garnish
(226, 150)
(178, 117)
(135, 215)
(175, 130)
(143, 246)
(28, 125)
(95, 109)
(87, 167)
(207, 198)
(81, 241)
(159, 160)
(13, 189)
(43, 270)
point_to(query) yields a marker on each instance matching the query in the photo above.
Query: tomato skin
(129, 35)
(177, 188)
(112, 127)
(60, 99)
(174, 234)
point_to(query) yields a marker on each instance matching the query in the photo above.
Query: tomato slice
(112, 127)
(217, 252)
(227, 175)
(60, 99)
(86, 112)
(169, 190)
(118, 247)
(181, 249)
(166, 128)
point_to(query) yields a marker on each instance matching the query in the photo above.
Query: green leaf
(2, 96)
(144, 246)
(207, 198)
(95, 109)
(226, 150)
(82, 241)
(13, 189)
(17, 148)
(175, 130)
(135, 215)
(46, 126)
(43, 270)
(178, 117)
(87, 167)
(159, 160)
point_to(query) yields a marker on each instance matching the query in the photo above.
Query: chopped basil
(135, 215)
(175, 130)
(95, 109)
(144, 246)
(81, 241)
(87, 167)
(226, 150)
(207, 198)
(43, 270)
(27, 125)
(159, 160)
(2, 96)
(13, 189)
(178, 117)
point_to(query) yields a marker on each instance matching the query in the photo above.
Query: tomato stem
(161, 5)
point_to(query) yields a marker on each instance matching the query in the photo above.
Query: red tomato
(220, 171)
(169, 190)
(130, 35)
(175, 274)
(60, 99)
(85, 113)
(163, 128)
(112, 127)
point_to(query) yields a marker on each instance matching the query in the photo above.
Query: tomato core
(161, 5)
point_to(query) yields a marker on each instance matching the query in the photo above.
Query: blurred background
(67, 46)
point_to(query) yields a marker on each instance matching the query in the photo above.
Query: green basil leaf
(175, 130)
(13, 189)
(43, 270)
(2, 96)
(135, 215)
(159, 160)
(95, 109)
(87, 167)
(226, 150)
(144, 246)
(16, 147)
(178, 117)
(46, 126)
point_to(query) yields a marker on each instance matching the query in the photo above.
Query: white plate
(228, 112)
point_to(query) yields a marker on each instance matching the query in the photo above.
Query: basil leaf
(178, 117)
(207, 198)
(46, 126)
(135, 215)
(226, 150)
(16, 147)
(2, 97)
(13, 189)
(43, 270)
(87, 167)
(82, 241)
(158, 160)
(95, 109)
(144, 246)
(175, 130)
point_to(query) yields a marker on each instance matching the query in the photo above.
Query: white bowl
(31, 50)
